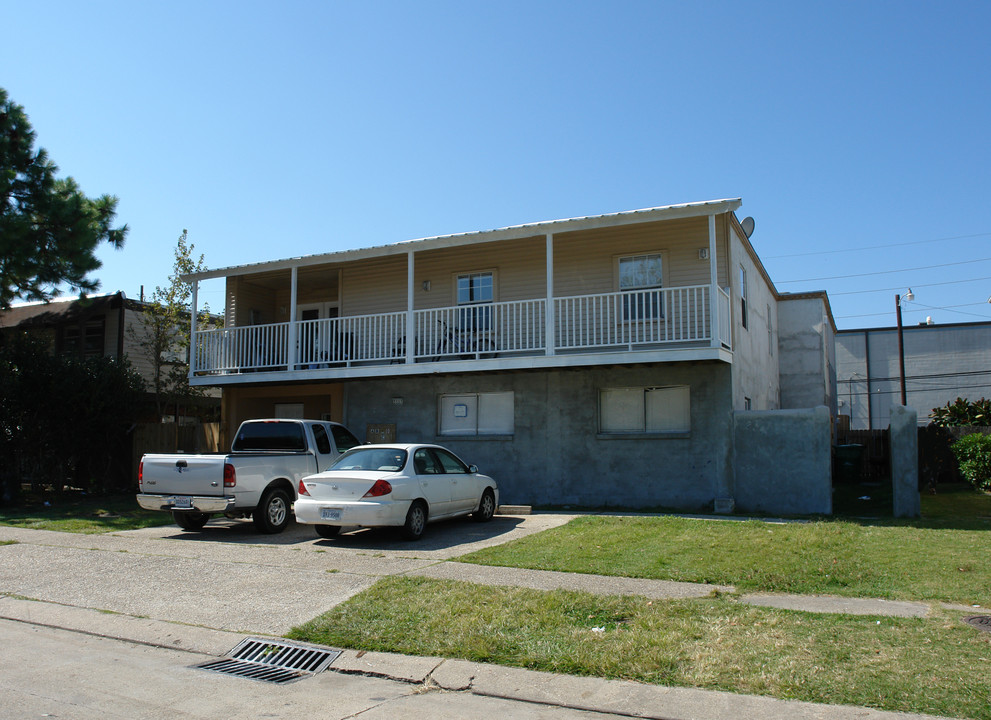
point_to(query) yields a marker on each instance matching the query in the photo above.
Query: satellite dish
(748, 226)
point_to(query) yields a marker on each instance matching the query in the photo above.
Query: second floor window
(638, 273)
(475, 292)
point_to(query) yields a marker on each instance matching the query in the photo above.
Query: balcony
(640, 326)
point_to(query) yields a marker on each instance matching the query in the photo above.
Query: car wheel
(486, 507)
(272, 514)
(416, 521)
(190, 520)
(328, 531)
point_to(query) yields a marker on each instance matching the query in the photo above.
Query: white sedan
(398, 485)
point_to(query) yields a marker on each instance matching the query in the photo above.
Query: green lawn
(83, 514)
(944, 556)
(934, 665)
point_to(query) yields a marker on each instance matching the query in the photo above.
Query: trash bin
(848, 460)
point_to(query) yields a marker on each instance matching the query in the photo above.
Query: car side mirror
(473, 469)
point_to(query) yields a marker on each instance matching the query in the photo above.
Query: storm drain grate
(981, 622)
(272, 661)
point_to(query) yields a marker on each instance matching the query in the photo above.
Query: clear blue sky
(856, 133)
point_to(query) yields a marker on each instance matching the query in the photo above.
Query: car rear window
(270, 436)
(362, 458)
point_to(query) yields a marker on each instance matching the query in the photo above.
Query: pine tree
(49, 230)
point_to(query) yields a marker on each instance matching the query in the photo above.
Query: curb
(590, 694)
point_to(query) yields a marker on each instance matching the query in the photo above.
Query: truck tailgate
(181, 474)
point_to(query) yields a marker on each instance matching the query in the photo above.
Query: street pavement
(108, 626)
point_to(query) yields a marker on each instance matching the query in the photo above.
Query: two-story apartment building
(591, 361)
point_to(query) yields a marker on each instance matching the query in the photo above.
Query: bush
(973, 453)
(962, 413)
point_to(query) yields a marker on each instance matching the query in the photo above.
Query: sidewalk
(608, 698)
(227, 584)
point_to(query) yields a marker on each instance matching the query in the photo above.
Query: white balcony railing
(588, 323)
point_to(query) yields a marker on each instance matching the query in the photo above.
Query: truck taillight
(302, 489)
(141, 473)
(230, 477)
(380, 488)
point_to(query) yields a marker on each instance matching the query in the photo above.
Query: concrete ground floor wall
(554, 454)
(782, 462)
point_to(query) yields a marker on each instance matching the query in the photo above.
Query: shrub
(973, 453)
(962, 412)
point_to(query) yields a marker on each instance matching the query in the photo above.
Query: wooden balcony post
(714, 339)
(550, 338)
(292, 352)
(410, 343)
(192, 327)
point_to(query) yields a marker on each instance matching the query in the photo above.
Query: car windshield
(366, 458)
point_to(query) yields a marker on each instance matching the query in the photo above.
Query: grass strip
(88, 515)
(829, 557)
(932, 665)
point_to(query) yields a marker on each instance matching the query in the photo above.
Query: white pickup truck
(258, 478)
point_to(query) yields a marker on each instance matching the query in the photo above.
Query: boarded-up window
(476, 414)
(645, 410)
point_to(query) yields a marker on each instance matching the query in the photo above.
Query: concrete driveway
(89, 619)
(228, 576)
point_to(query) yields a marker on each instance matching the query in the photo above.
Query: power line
(925, 307)
(909, 391)
(933, 376)
(883, 272)
(878, 247)
(893, 289)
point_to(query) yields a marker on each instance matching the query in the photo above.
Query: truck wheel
(272, 514)
(190, 520)
(328, 531)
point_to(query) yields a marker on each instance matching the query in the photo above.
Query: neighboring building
(99, 325)
(942, 363)
(90, 327)
(591, 361)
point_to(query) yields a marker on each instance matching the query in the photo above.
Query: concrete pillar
(904, 435)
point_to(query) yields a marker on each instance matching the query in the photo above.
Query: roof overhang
(547, 227)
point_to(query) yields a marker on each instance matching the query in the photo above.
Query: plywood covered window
(645, 409)
(477, 414)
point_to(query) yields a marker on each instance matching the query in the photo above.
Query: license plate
(183, 502)
(330, 513)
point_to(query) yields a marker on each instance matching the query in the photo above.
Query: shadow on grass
(953, 506)
(80, 512)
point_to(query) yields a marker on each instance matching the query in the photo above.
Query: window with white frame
(476, 414)
(637, 274)
(476, 292)
(645, 409)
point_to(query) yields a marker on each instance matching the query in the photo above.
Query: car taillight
(141, 474)
(302, 489)
(230, 477)
(381, 487)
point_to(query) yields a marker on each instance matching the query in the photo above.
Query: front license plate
(330, 513)
(183, 502)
